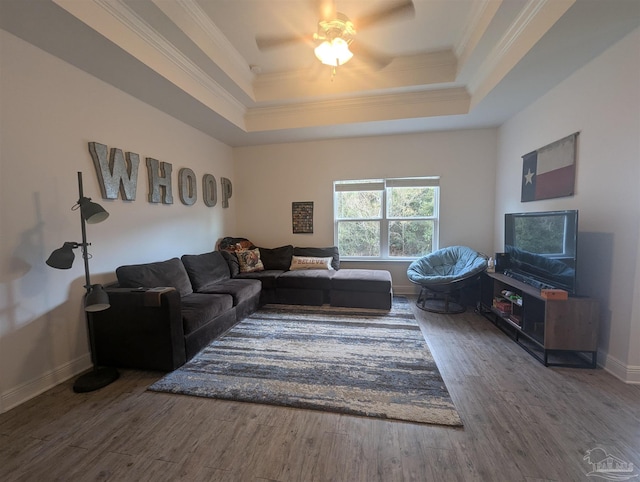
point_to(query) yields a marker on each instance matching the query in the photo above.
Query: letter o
(209, 190)
(187, 187)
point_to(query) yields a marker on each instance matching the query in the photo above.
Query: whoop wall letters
(118, 174)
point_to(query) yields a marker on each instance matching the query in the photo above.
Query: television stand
(555, 332)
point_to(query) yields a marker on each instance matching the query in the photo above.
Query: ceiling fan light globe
(334, 52)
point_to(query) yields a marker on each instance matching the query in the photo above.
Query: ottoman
(304, 287)
(361, 288)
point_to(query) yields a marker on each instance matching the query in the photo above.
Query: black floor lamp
(96, 299)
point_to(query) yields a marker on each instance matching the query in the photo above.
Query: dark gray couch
(357, 288)
(163, 313)
(162, 330)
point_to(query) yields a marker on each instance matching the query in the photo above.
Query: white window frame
(382, 185)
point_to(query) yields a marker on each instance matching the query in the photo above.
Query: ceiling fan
(335, 37)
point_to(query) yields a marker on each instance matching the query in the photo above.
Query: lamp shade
(62, 258)
(92, 212)
(334, 52)
(97, 299)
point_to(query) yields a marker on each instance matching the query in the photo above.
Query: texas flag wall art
(550, 171)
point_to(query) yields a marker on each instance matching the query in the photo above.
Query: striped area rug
(361, 362)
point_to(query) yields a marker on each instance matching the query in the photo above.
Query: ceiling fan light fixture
(334, 52)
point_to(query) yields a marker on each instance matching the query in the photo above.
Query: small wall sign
(302, 217)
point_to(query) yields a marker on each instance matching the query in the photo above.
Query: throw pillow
(249, 260)
(206, 270)
(276, 258)
(151, 275)
(234, 244)
(320, 253)
(308, 262)
(232, 261)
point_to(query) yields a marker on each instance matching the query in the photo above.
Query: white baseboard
(406, 290)
(633, 375)
(28, 390)
(626, 373)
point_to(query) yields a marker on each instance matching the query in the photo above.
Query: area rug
(370, 363)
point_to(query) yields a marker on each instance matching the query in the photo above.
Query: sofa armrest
(135, 333)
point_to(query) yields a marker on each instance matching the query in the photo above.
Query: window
(386, 218)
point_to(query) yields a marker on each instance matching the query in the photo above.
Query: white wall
(50, 111)
(602, 102)
(271, 177)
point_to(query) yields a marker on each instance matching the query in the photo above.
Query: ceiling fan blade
(376, 60)
(403, 7)
(265, 43)
(326, 9)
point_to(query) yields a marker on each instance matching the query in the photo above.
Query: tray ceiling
(456, 64)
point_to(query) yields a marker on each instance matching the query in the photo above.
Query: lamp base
(97, 378)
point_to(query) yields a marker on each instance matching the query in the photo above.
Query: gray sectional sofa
(163, 313)
(357, 288)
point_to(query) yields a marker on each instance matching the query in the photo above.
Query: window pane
(410, 238)
(359, 238)
(406, 202)
(359, 204)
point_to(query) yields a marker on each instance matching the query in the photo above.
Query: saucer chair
(442, 274)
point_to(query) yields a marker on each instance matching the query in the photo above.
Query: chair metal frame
(444, 297)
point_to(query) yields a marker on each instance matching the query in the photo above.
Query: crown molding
(534, 20)
(428, 103)
(430, 68)
(481, 15)
(198, 26)
(122, 26)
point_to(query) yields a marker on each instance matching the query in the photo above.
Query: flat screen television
(541, 248)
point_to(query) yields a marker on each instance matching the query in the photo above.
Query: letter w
(115, 174)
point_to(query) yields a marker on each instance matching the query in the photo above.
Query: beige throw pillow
(249, 260)
(308, 262)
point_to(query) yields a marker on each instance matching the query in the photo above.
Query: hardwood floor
(522, 422)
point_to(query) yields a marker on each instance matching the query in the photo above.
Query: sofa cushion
(249, 260)
(320, 253)
(240, 289)
(267, 277)
(371, 280)
(310, 279)
(294, 296)
(232, 261)
(150, 275)
(206, 269)
(198, 309)
(276, 258)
